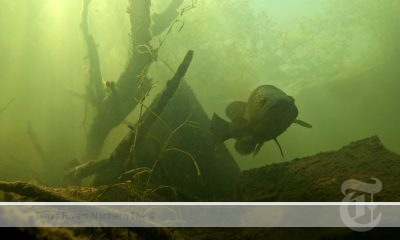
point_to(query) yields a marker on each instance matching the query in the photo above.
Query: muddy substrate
(316, 178)
(199, 233)
(319, 178)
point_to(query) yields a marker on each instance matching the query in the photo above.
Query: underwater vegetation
(179, 100)
(95, 93)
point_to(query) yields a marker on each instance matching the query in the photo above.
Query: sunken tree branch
(162, 20)
(7, 105)
(94, 89)
(110, 169)
(34, 191)
(133, 84)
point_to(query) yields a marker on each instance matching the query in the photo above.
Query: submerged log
(35, 192)
(172, 143)
(315, 178)
(187, 144)
(319, 178)
(162, 20)
(110, 169)
(113, 166)
(132, 83)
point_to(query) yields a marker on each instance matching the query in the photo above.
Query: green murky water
(338, 59)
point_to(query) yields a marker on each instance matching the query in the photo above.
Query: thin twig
(7, 105)
(196, 165)
(166, 143)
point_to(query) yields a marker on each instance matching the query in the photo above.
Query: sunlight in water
(55, 6)
(325, 53)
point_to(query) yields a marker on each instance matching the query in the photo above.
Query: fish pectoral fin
(302, 123)
(257, 149)
(235, 110)
(280, 148)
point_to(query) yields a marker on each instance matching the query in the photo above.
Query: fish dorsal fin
(236, 110)
(280, 148)
(302, 123)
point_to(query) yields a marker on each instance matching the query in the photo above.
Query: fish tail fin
(220, 128)
(245, 146)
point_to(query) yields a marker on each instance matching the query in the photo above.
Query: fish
(267, 113)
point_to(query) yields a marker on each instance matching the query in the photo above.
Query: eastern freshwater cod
(266, 115)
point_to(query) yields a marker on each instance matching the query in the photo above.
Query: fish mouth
(282, 113)
(274, 122)
(246, 145)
